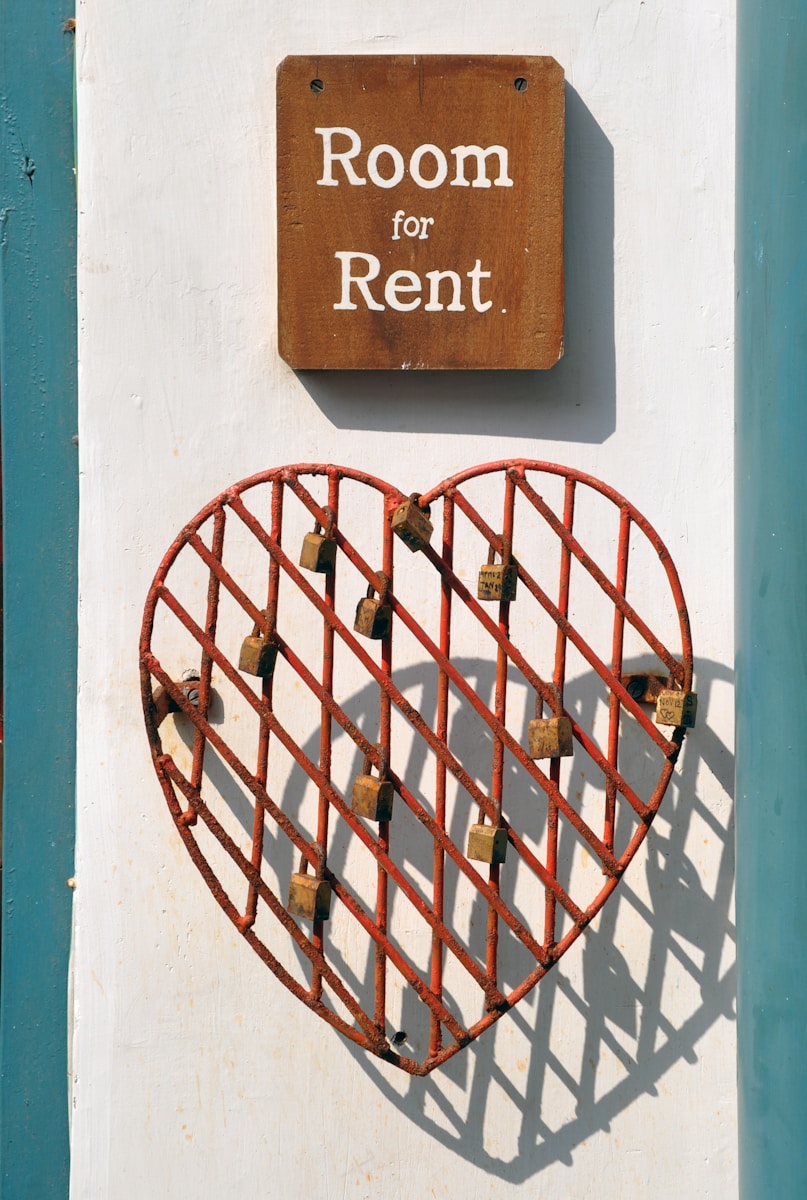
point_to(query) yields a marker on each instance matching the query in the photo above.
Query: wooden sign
(420, 212)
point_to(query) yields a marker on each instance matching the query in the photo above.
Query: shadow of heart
(630, 1022)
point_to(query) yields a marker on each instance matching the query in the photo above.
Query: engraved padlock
(373, 615)
(497, 581)
(487, 843)
(309, 895)
(412, 525)
(676, 708)
(258, 653)
(372, 798)
(318, 551)
(550, 738)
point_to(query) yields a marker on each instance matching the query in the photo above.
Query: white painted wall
(194, 1073)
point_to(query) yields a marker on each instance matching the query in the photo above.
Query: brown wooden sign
(420, 212)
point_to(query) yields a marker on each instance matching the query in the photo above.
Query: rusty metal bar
(500, 708)
(441, 729)
(614, 708)
(559, 680)
(385, 722)
(262, 770)
(325, 716)
(205, 670)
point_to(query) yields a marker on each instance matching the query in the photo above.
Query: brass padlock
(258, 653)
(677, 708)
(372, 798)
(318, 551)
(487, 844)
(497, 581)
(309, 897)
(373, 616)
(551, 738)
(412, 525)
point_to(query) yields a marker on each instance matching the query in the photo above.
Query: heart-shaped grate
(449, 904)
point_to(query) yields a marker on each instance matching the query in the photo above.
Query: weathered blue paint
(771, 543)
(40, 515)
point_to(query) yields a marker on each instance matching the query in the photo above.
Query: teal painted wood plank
(771, 609)
(40, 516)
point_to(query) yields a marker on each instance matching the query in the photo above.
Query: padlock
(309, 897)
(643, 687)
(497, 581)
(258, 654)
(677, 708)
(551, 738)
(373, 617)
(412, 525)
(372, 798)
(318, 551)
(487, 844)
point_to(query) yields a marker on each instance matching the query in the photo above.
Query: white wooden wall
(194, 1074)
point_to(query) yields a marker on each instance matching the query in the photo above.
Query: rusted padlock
(258, 652)
(412, 525)
(373, 615)
(163, 702)
(318, 551)
(644, 686)
(487, 843)
(309, 897)
(497, 581)
(550, 738)
(677, 708)
(372, 798)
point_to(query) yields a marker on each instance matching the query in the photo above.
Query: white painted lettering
(360, 269)
(434, 304)
(461, 153)
(475, 276)
(402, 281)
(344, 157)
(412, 226)
(398, 167)
(329, 156)
(440, 160)
(361, 281)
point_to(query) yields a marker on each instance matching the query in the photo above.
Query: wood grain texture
(327, 232)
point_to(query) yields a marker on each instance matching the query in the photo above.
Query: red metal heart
(406, 893)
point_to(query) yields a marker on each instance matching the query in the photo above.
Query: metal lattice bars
(544, 939)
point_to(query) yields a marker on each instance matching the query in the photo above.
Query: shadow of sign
(575, 401)
(597, 1032)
